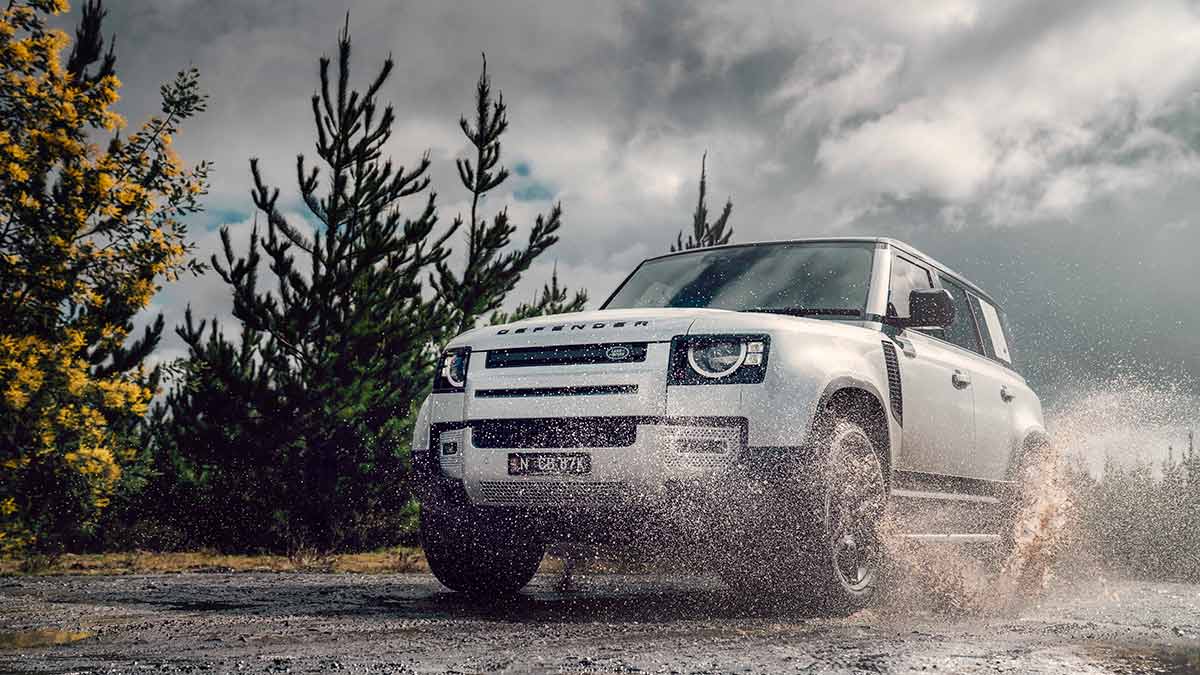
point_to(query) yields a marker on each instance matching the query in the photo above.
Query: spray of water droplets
(1121, 420)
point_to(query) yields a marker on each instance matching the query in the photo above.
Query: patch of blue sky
(212, 219)
(533, 192)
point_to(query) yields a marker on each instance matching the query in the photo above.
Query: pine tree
(87, 236)
(1169, 516)
(704, 233)
(305, 425)
(491, 269)
(553, 299)
(224, 464)
(1189, 544)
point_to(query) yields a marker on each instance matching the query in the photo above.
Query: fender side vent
(895, 393)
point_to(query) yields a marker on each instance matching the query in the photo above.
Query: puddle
(1166, 660)
(207, 605)
(41, 637)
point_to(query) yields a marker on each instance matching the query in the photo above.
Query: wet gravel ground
(319, 623)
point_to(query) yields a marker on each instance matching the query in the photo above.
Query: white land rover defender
(767, 403)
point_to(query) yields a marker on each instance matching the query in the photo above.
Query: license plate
(549, 464)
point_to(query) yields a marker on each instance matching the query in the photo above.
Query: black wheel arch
(862, 406)
(1032, 439)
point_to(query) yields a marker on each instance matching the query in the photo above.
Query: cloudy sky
(1051, 151)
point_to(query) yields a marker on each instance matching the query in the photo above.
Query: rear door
(996, 388)
(938, 425)
(986, 380)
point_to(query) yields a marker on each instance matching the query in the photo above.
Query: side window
(991, 325)
(962, 332)
(906, 275)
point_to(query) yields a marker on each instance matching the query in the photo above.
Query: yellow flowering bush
(87, 235)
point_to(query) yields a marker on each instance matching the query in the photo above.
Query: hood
(611, 325)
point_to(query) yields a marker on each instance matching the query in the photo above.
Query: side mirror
(930, 308)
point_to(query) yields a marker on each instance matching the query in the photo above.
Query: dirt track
(276, 623)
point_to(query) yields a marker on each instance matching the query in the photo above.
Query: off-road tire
(847, 569)
(1022, 480)
(817, 543)
(1030, 502)
(484, 555)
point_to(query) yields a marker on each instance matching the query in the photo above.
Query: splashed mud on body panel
(962, 579)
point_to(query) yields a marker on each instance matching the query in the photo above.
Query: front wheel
(848, 565)
(481, 554)
(818, 540)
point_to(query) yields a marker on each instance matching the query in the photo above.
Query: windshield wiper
(807, 311)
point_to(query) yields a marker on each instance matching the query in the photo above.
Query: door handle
(960, 380)
(1006, 395)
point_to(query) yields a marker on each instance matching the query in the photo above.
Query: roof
(886, 241)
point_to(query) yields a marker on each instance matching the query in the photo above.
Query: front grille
(498, 492)
(570, 432)
(567, 355)
(895, 392)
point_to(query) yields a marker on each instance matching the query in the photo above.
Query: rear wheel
(482, 554)
(1033, 517)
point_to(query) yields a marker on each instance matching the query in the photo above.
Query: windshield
(818, 279)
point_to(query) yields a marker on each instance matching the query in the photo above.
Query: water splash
(1122, 420)
(1041, 528)
(960, 580)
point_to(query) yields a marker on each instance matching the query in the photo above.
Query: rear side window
(991, 325)
(906, 276)
(963, 331)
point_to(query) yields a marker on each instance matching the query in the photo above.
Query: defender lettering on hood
(573, 326)
(587, 327)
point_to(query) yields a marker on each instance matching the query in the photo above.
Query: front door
(939, 412)
(939, 406)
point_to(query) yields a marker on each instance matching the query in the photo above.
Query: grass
(388, 561)
(40, 637)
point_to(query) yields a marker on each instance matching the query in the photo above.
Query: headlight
(718, 359)
(454, 368)
(451, 373)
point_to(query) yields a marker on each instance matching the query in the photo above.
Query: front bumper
(635, 461)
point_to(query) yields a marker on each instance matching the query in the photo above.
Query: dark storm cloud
(1047, 149)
